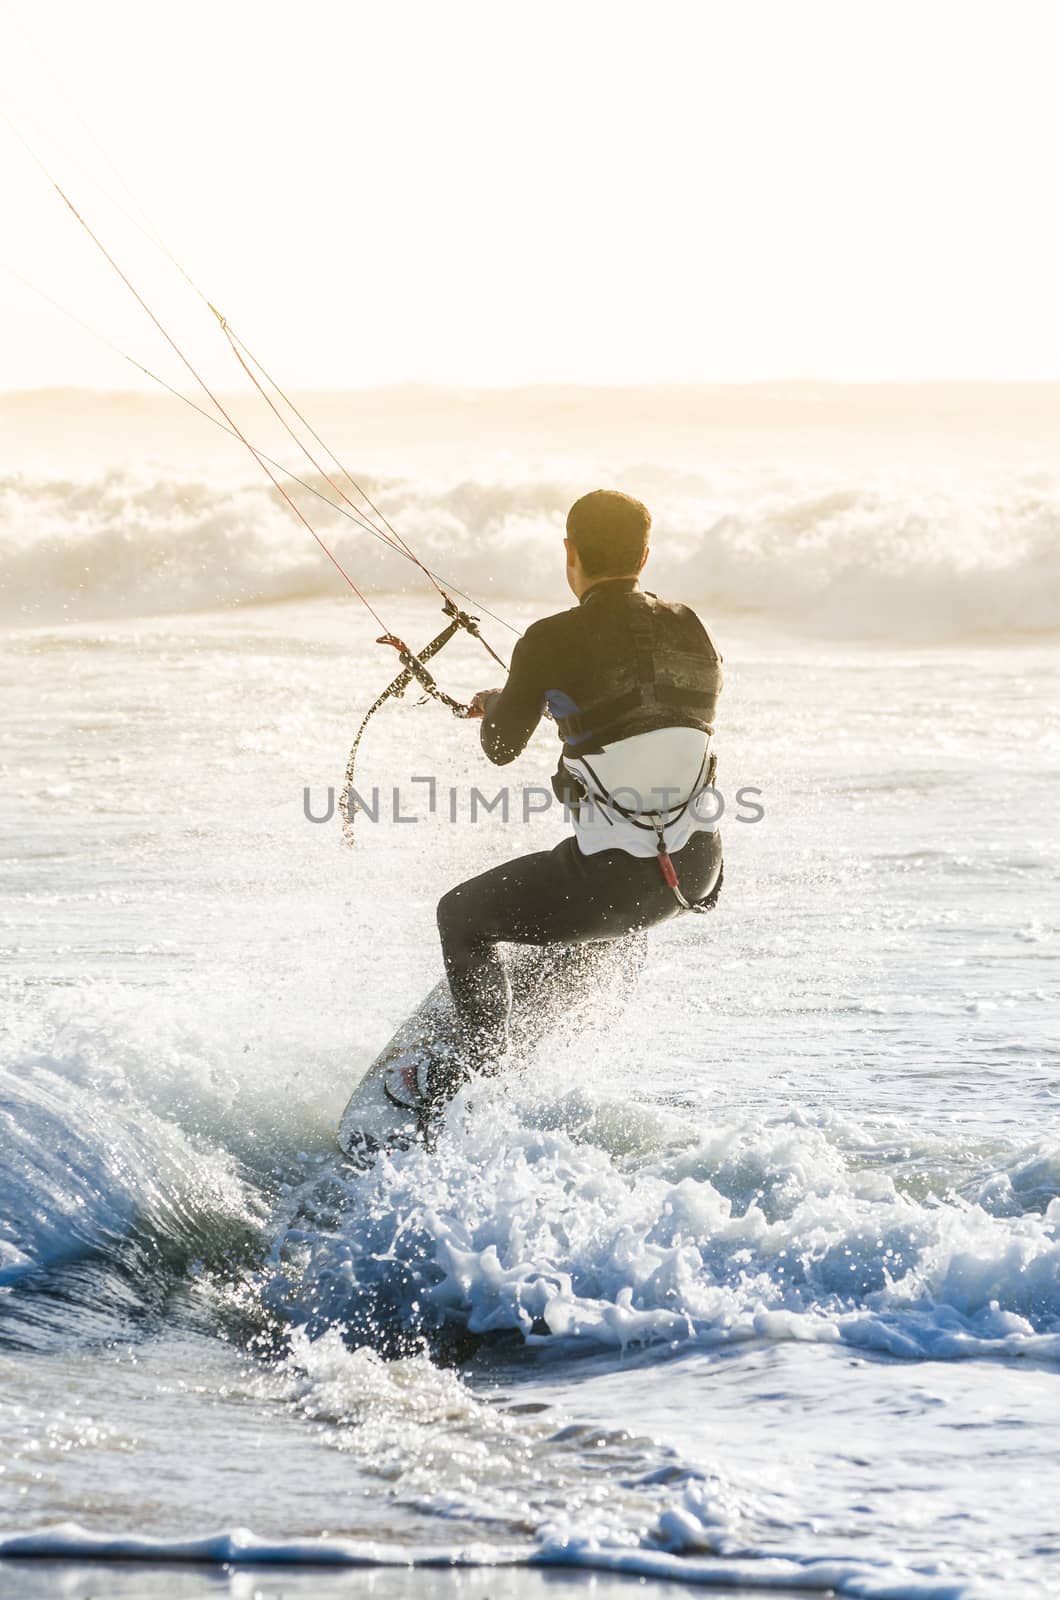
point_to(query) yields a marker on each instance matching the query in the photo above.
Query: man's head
(607, 537)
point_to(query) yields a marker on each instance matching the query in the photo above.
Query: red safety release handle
(666, 867)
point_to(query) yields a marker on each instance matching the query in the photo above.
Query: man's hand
(477, 706)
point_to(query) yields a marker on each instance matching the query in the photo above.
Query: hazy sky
(522, 190)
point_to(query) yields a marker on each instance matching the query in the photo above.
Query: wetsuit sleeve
(512, 715)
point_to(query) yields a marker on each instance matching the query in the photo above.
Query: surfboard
(547, 981)
(371, 1120)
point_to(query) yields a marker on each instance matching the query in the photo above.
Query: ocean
(754, 1283)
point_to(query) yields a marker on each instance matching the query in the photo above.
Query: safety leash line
(395, 690)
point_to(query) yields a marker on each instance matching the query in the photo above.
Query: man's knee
(452, 919)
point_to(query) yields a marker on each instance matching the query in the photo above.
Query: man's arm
(511, 715)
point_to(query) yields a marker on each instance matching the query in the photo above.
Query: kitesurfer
(632, 683)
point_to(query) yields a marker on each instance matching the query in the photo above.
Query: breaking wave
(568, 1220)
(572, 1218)
(618, 1227)
(883, 557)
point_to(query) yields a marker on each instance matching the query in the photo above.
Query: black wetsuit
(588, 666)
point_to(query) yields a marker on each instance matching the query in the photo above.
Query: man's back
(620, 663)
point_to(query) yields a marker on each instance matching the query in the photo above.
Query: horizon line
(440, 385)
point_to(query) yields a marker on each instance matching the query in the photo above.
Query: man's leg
(552, 897)
(514, 904)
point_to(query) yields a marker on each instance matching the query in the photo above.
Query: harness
(655, 700)
(658, 821)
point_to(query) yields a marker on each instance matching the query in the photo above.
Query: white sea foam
(683, 1547)
(570, 1219)
(845, 553)
(545, 1234)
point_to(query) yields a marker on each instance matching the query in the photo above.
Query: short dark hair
(609, 530)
